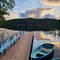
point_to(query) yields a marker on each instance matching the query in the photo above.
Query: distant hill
(31, 24)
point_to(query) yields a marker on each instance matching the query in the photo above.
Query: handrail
(7, 39)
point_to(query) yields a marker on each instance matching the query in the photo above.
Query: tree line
(30, 24)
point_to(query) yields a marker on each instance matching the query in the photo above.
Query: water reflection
(47, 35)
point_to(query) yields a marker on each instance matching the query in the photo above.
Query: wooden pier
(21, 50)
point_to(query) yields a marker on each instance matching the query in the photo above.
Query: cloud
(44, 11)
(57, 16)
(51, 2)
(40, 12)
(31, 15)
(35, 13)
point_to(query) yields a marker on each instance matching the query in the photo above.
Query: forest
(31, 24)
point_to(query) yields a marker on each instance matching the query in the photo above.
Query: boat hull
(48, 56)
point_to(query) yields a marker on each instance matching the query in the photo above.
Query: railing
(9, 41)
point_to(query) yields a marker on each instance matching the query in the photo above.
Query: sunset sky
(23, 5)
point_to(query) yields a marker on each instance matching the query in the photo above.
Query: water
(52, 34)
(38, 41)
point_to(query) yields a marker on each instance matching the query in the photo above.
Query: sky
(23, 5)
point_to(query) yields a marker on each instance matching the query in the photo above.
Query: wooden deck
(21, 50)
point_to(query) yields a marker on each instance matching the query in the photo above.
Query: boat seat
(39, 54)
(45, 50)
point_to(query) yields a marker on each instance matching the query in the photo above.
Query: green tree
(5, 5)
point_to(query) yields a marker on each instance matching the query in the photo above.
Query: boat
(43, 52)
